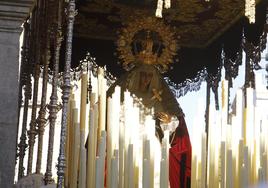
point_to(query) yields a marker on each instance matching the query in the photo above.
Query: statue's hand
(164, 117)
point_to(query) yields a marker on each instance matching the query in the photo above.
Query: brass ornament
(157, 95)
(150, 25)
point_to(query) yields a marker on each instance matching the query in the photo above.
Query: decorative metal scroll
(92, 66)
(76, 73)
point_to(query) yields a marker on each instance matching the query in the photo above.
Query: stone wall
(12, 15)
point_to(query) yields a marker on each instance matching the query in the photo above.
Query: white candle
(203, 159)
(113, 124)
(164, 168)
(264, 165)
(128, 109)
(246, 165)
(240, 157)
(115, 170)
(121, 153)
(101, 160)
(222, 163)
(243, 178)
(225, 103)
(83, 166)
(76, 148)
(83, 102)
(163, 174)
(116, 117)
(146, 173)
(90, 150)
(260, 175)
(68, 140)
(146, 150)
(98, 173)
(193, 171)
(130, 167)
(83, 112)
(109, 139)
(250, 113)
(92, 146)
(96, 118)
(229, 169)
(102, 100)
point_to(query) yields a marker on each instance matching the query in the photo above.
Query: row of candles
(122, 149)
(124, 152)
(235, 154)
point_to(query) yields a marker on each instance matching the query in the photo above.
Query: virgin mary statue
(145, 81)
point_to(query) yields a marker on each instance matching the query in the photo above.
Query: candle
(83, 166)
(229, 170)
(109, 139)
(71, 140)
(130, 171)
(115, 170)
(128, 119)
(98, 173)
(246, 166)
(90, 154)
(163, 174)
(225, 105)
(83, 112)
(95, 134)
(260, 175)
(83, 103)
(91, 147)
(68, 139)
(193, 171)
(222, 163)
(264, 165)
(146, 149)
(203, 159)
(100, 163)
(240, 156)
(116, 118)
(76, 148)
(102, 100)
(243, 178)
(121, 152)
(166, 145)
(164, 166)
(146, 173)
(113, 125)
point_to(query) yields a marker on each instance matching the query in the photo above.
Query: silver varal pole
(71, 12)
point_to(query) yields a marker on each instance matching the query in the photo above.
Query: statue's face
(145, 80)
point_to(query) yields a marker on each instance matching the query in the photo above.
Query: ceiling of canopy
(205, 30)
(197, 22)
